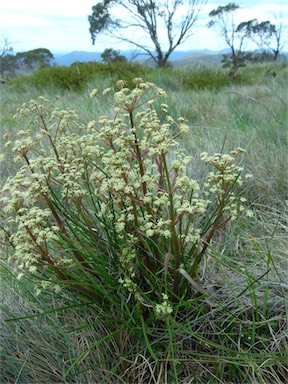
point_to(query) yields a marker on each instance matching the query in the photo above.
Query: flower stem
(174, 238)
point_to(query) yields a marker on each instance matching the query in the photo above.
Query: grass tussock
(134, 248)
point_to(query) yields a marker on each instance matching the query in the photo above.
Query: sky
(62, 25)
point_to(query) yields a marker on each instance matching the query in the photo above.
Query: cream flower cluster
(163, 310)
(124, 172)
(222, 182)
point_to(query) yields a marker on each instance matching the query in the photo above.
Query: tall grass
(229, 323)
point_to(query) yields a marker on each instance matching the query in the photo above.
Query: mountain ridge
(66, 59)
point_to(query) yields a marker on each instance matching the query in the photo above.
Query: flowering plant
(111, 207)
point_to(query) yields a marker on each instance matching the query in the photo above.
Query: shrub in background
(78, 75)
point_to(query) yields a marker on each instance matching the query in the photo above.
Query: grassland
(61, 337)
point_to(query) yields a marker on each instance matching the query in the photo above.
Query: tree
(267, 36)
(222, 20)
(110, 55)
(280, 38)
(7, 64)
(34, 59)
(164, 25)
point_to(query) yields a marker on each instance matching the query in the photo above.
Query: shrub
(78, 75)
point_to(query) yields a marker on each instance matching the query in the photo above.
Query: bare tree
(165, 24)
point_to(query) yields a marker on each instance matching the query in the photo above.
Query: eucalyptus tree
(222, 20)
(34, 59)
(268, 37)
(110, 55)
(155, 28)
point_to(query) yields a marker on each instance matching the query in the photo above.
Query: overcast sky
(62, 25)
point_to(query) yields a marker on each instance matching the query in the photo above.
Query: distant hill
(177, 57)
(204, 56)
(77, 56)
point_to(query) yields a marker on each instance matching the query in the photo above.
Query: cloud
(62, 25)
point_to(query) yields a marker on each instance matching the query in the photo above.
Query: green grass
(236, 334)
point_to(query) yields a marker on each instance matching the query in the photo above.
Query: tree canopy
(110, 55)
(267, 36)
(22, 62)
(156, 28)
(36, 58)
